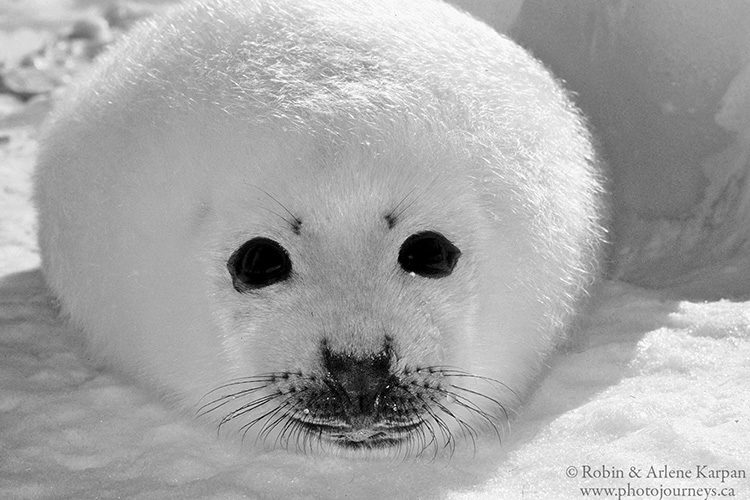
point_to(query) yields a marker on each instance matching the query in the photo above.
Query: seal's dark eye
(428, 254)
(257, 263)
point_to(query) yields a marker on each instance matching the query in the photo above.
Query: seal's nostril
(360, 380)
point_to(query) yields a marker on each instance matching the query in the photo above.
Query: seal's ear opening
(428, 254)
(258, 263)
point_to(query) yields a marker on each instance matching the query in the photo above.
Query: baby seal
(326, 224)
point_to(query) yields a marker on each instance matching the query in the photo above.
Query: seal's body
(363, 223)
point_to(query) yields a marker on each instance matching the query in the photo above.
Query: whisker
(269, 426)
(469, 405)
(229, 398)
(246, 427)
(290, 422)
(498, 403)
(426, 190)
(294, 221)
(425, 406)
(452, 371)
(394, 214)
(267, 378)
(253, 405)
(464, 426)
(444, 429)
(433, 440)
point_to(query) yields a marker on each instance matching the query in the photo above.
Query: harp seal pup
(326, 224)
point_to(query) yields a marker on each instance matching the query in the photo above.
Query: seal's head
(354, 224)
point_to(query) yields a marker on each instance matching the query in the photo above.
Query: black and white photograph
(375, 249)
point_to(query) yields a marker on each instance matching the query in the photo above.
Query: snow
(655, 377)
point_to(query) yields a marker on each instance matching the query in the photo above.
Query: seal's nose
(359, 381)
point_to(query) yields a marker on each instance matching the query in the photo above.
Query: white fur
(157, 167)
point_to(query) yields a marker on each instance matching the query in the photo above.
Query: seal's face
(360, 224)
(348, 313)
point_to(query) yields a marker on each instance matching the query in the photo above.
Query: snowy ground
(653, 379)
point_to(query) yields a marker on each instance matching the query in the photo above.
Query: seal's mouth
(381, 435)
(411, 411)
